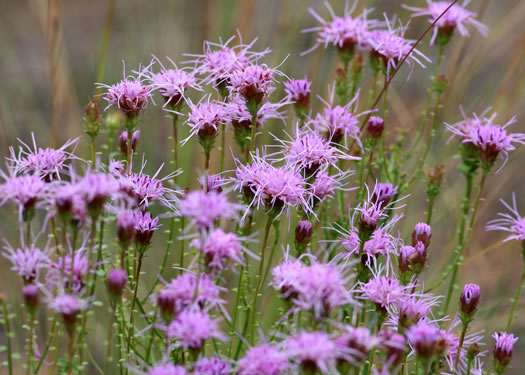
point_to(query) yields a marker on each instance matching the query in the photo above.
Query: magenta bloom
(24, 191)
(240, 116)
(96, 189)
(502, 351)
(383, 193)
(422, 233)
(205, 118)
(357, 341)
(313, 351)
(69, 268)
(469, 300)
(286, 277)
(219, 248)
(510, 222)
(383, 291)
(263, 360)
(215, 182)
(457, 17)
(172, 84)
(338, 123)
(212, 366)
(68, 306)
(298, 91)
(424, 338)
(380, 243)
(324, 186)
(411, 310)
(205, 208)
(184, 287)
(192, 328)
(145, 226)
(130, 95)
(272, 187)
(142, 189)
(167, 369)
(345, 33)
(254, 83)
(44, 162)
(27, 262)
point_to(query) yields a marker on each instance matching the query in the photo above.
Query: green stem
(430, 209)
(461, 340)
(43, 355)
(7, 328)
(254, 134)
(236, 309)
(30, 353)
(175, 145)
(109, 339)
(515, 300)
(93, 151)
(223, 146)
(182, 242)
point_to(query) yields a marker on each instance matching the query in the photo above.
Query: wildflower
(298, 91)
(211, 366)
(421, 233)
(116, 282)
(188, 289)
(351, 242)
(166, 301)
(68, 306)
(167, 369)
(69, 271)
(412, 258)
(411, 310)
(192, 328)
(375, 127)
(469, 300)
(31, 298)
(285, 277)
(456, 17)
(263, 360)
(142, 189)
(96, 189)
(424, 338)
(383, 193)
(254, 83)
(303, 232)
(510, 222)
(45, 163)
(206, 208)
(172, 84)
(277, 188)
(25, 192)
(345, 33)
(383, 291)
(219, 248)
(130, 95)
(389, 48)
(502, 351)
(126, 222)
(204, 119)
(313, 351)
(380, 243)
(70, 204)
(145, 226)
(215, 182)
(27, 262)
(124, 138)
(395, 345)
(358, 341)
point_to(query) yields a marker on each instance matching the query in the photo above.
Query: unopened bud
(116, 283)
(166, 302)
(375, 127)
(422, 233)
(31, 298)
(469, 300)
(303, 232)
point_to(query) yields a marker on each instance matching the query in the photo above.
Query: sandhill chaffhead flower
(191, 328)
(263, 360)
(511, 222)
(204, 209)
(28, 262)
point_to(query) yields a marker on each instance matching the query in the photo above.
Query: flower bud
(375, 127)
(303, 232)
(125, 228)
(502, 351)
(469, 300)
(92, 119)
(473, 351)
(124, 141)
(422, 233)
(166, 303)
(434, 177)
(440, 84)
(31, 298)
(115, 284)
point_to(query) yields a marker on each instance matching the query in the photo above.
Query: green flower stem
(515, 300)
(30, 351)
(252, 138)
(131, 336)
(223, 146)
(109, 339)
(93, 151)
(272, 252)
(7, 328)
(461, 247)
(174, 120)
(460, 345)
(430, 209)
(182, 242)
(236, 309)
(52, 333)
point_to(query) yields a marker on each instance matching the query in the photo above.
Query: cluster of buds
(412, 259)
(124, 139)
(303, 234)
(434, 177)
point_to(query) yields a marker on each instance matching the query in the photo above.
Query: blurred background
(52, 52)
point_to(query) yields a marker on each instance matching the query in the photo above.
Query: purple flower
(395, 345)
(240, 116)
(411, 310)
(68, 306)
(145, 226)
(31, 296)
(303, 232)
(298, 91)
(192, 328)
(130, 95)
(412, 258)
(167, 369)
(126, 222)
(116, 282)
(43, 162)
(205, 118)
(25, 192)
(143, 189)
(186, 291)
(375, 127)
(383, 291)
(357, 341)
(455, 17)
(338, 122)
(219, 248)
(345, 33)
(215, 182)
(172, 84)
(277, 188)
(314, 351)
(422, 233)
(123, 140)
(286, 277)
(27, 262)
(69, 269)
(211, 366)
(383, 193)
(469, 299)
(380, 243)
(254, 83)
(205, 208)
(502, 351)
(424, 338)
(510, 222)
(263, 360)
(96, 189)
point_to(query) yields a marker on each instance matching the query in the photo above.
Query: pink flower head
(70, 204)
(205, 118)
(298, 91)
(321, 287)
(219, 248)
(324, 186)
(394, 344)
(380, 243)
(43, 162)
(286, 277)
(413, 258)
(145, 226)
(24, 191)
(391, 47)
(241, 118)
(69, 268)
(254, 83)
(277, 188)
(510, 222)
(68, 306)
(424, 338)
(27, 262)
(96, 189)
(338, 123)
(172, 84)
(188, 290)
(456, 17)
(313, 351)
(191, 328)
(204, 209)
(502, 351)
(131, 95)
(215, 182)
(357, 341)
(422, 233)
(383, 193)
(263, 360)
(411, 310)
(167, 369)
(383, 291)
(351, 242)
(345, 33)
(212, 366)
